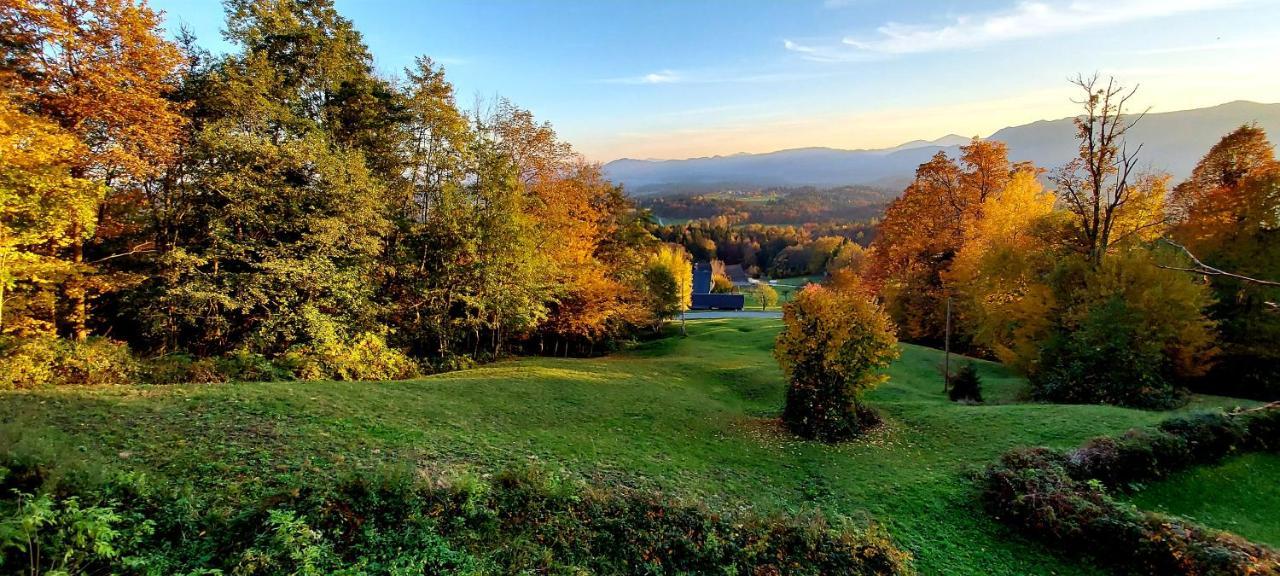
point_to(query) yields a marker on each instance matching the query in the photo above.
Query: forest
(284, 211)
(782, 206)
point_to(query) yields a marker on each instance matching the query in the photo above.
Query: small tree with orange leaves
(832, 348)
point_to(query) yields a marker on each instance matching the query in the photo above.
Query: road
(713, 314)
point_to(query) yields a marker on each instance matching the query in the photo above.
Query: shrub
(831, 349)
(181, 368)
(1210, 436)
(1106, 360)
(42, 361)
(525, 521)
(364, 357)
(245, 366)
(966, 385)
(1262, 428)
(1124, 332)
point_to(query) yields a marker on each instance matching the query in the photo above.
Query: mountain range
(1172, 142)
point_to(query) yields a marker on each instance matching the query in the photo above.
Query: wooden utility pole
(946, 343)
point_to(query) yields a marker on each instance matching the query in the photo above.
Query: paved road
(713, 314)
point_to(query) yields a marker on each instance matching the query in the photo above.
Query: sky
(690, 78)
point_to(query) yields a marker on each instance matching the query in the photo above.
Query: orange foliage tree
(926, 227)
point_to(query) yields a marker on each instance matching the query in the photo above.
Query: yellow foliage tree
(832, 347)
(43, 209)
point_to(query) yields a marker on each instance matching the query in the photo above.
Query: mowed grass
(1239, 495)
(692, 416)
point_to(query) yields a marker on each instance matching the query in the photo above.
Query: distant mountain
(1172, 142)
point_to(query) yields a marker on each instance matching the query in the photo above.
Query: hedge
(1062, 498)
(520, 522)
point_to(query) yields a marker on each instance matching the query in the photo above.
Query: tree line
(285, 200)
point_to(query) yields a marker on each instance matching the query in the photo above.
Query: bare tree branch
(1207, 270)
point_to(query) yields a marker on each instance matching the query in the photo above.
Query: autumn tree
(1225, 214)
(998, 274)
(669, 281)
(43, 209)
(926, 227)
(767, 295)
(1098, 185)
(832, 348)
(100, 70)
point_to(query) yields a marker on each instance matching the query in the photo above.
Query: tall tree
(100, 69)
(1097, 184)
(287, 218)
(1227, 215)
(42, 209)
(926, 227)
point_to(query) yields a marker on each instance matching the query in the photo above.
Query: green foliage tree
(831, 349)
(1126, 332)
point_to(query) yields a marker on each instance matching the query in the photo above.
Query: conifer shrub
(966, 385)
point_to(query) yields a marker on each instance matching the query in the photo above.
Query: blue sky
(675, 79)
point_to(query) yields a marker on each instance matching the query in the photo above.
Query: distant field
(691, 416)
(1240, 495)
(786, 288)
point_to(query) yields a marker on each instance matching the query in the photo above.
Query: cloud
(713, 77)
(1027, 19)
(827, 53)
(659, 77)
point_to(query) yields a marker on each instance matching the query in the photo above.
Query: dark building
(703, 299)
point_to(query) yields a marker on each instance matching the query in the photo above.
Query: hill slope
(691, 416)
(1173, 142)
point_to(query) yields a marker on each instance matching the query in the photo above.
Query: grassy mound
(1238, 495)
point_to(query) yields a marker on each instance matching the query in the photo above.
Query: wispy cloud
(659, 77)
(1027, 19)
(826, 53)
(713, 77)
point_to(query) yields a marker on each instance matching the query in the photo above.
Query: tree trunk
(76, 291)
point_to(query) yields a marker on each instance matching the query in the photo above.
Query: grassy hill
(691, 416)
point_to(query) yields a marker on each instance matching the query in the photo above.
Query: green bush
(1262, 429)
(1108, 359)
(49, 361)
(245, 366)
(524, 521)
(966, 386)
(1210, 436)
(181, 368)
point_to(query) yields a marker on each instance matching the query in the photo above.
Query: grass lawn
(693, 416)
(1239, 495)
